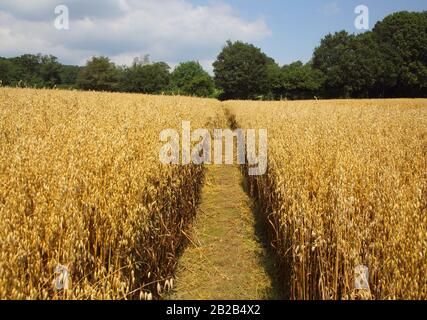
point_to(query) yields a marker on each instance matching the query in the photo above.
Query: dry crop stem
(346, 186)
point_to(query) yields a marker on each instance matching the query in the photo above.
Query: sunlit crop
(82, 188)
(346, 186)
(81, 185)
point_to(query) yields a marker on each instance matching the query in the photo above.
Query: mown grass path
(226, 257)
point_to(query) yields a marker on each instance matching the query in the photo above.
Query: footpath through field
(227, 257)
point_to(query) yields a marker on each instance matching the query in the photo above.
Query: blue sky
(179, 30)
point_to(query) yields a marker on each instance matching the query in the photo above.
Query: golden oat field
(81, 185)
(346, 186)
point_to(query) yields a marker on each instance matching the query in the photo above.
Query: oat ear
(70, 267)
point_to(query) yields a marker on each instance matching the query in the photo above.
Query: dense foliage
(190, 79)
(241, 71)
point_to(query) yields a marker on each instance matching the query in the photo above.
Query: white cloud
(169, 30)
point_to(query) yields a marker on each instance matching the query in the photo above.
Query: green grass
(227, 257)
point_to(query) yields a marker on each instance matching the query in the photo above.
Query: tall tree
(147, 78)
(402, 38)
(69, 74)
(99, 74)
(363, 65)
(301, 81)
(330, 58)
(50, 70)
(241, 71)
(189, 78)
(275, 83)
(6, 71)
(27, 70)
(390, 61)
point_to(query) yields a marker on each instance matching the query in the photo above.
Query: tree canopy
(99, 74)
(389, 61)
(69, 75)
(300, 81)
(146, 77)
(6, 71)
(241, 71)
(30, 70)
(190, 79)
(402, 41)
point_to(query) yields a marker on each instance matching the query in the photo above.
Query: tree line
(389, 61)
(101, 74)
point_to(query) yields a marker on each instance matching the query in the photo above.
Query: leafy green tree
(50, 70)
(330, 58)
(6, 71)
(147, 78)
(402, 38)
(362, 64)
(390, 61)
(27, 70)
(69, 75)
(301, 81)
(99, 74)
(33, 70)
(275, 83)
(241, 71)
(190, 79)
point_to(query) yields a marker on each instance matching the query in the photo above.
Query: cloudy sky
(179, 30)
